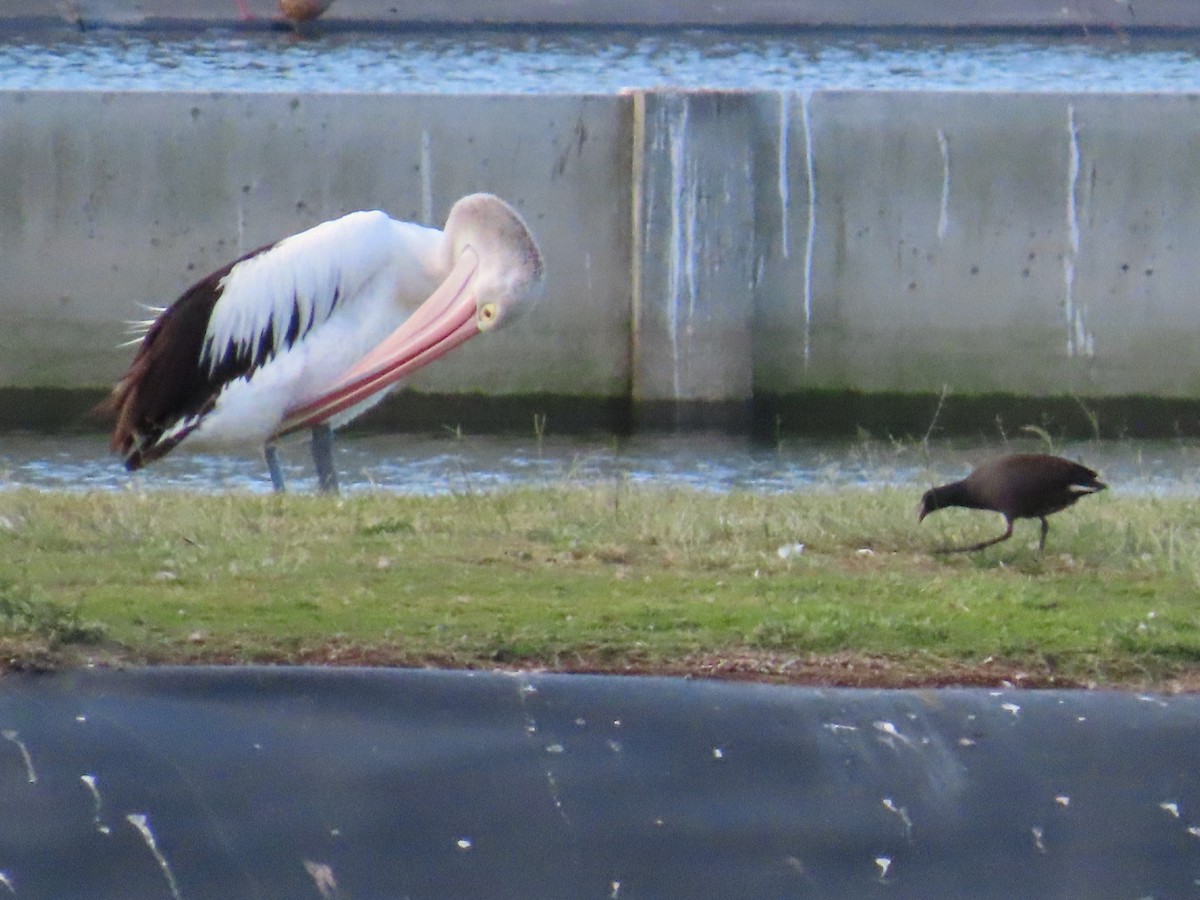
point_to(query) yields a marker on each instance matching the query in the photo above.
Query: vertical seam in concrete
(810, 170)
(637, 238)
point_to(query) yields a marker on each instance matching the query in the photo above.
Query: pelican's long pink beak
(448, 318)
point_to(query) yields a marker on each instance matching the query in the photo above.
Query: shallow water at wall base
(454, 463)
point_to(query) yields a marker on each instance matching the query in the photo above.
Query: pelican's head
(485, 232)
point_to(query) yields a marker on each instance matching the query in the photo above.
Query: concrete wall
(992, 242)
(115, 200)
(701, 246)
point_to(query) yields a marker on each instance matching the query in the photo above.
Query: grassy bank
(616, 578)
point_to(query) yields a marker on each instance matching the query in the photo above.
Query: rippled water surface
(548, 61)
(411, 464)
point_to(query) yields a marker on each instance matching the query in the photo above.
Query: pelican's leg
(322, 451)
(271, 455)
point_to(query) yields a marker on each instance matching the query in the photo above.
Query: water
(559, 61)
(430, 465)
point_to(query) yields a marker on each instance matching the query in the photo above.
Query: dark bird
(1019, 486)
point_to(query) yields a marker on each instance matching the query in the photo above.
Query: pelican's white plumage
(366, 267)
(311, 331)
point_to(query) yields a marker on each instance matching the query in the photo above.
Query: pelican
(296, 11)
(311, 332)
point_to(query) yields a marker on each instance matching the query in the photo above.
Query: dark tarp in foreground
(350, 783)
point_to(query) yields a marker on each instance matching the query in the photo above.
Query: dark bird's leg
(971, 549)
(1045, 529)
(271, 455)
(322, 451)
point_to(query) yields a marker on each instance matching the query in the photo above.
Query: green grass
(606, 579)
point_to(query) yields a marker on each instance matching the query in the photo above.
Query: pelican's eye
(489, 314)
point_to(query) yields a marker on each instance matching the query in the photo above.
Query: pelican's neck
(421, 266)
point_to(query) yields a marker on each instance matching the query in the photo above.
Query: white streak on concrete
(944, 212)
(426, 177)
(1069, 304)
(890, 805)
(142, 823)
(241, 226)
(463, 844)
(810, 242)
(1073, 180)
(6, 880)
(1063, 800)
(15, 738)
(681, 274)
(1010, 708)
(785, 122)
(1080, 341)
(97, 803)
(1038, 834)
(322, 876)
(1171, 807)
